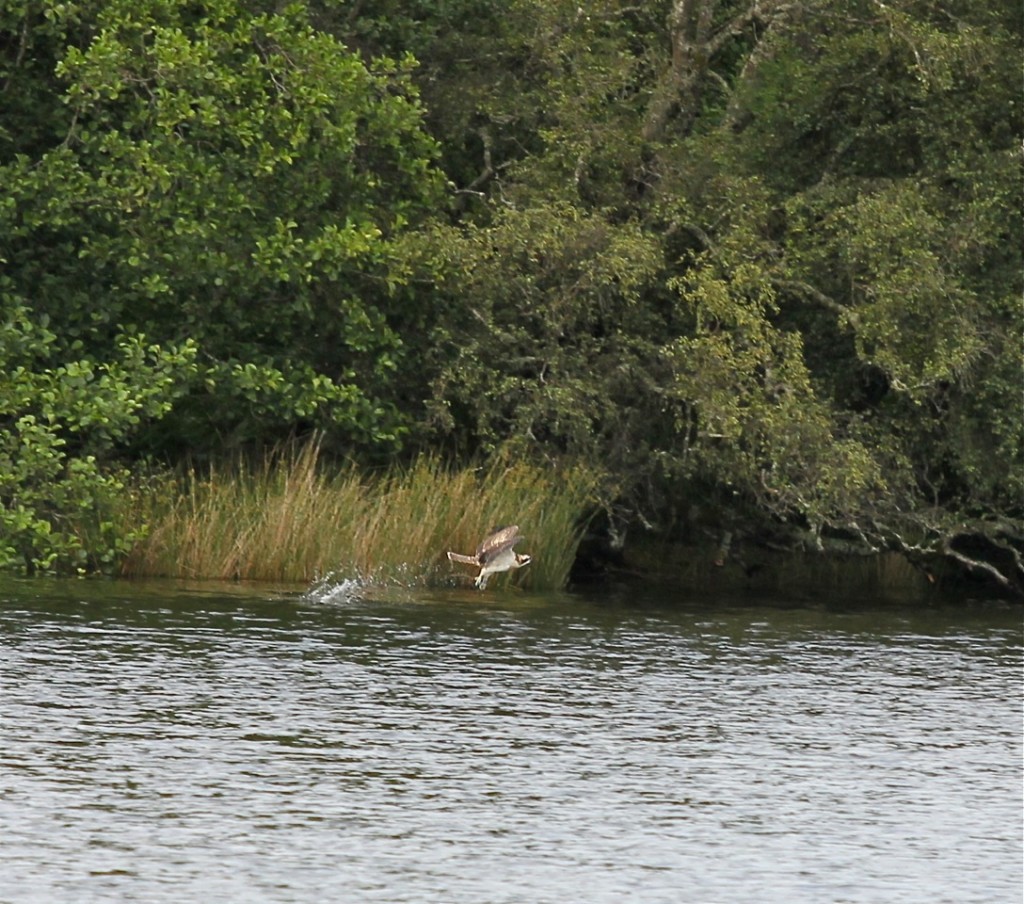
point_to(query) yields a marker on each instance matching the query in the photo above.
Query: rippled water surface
(162, 743)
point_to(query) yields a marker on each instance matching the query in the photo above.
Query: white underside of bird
(494, 554)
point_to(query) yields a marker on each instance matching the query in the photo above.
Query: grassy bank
(294, 520)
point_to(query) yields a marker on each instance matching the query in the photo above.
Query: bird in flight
(495, 554)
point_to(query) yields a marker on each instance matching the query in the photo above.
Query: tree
(760, 253)
(228, 175)
(64, 505)
(200, 234)
(827, 303)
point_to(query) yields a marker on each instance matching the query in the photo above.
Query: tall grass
(292, 520)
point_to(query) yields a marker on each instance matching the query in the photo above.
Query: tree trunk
(694, 42)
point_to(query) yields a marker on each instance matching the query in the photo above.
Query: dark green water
(164, 743)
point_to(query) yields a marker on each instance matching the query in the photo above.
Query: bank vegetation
(754, 267)
(291, 519)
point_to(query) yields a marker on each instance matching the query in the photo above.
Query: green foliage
(818, 207)
(234, 177)
(764, 253)
(761, 425)
(62, 499)
(913, 314)
(892, 151)
(552, 348)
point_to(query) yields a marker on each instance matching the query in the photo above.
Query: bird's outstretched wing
(497, 542)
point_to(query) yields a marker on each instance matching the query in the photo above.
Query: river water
(170, 743)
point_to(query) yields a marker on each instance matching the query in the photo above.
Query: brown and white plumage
(494, 554)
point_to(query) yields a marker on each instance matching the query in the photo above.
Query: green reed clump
(293, 520)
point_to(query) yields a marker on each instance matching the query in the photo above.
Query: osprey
(495, 554)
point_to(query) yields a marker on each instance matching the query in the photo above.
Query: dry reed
(289, 520)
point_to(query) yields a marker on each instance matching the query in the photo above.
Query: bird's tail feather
(467, 560)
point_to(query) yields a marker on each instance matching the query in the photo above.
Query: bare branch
(806, 290)
(694, 43)
(973, 565)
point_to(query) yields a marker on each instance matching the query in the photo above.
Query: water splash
(336, 588)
